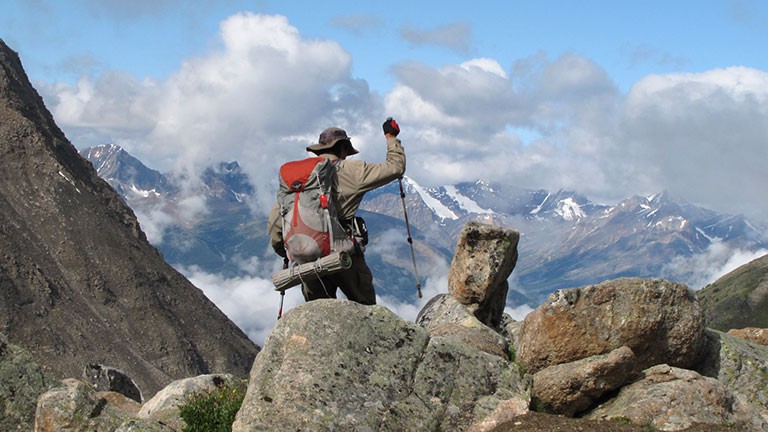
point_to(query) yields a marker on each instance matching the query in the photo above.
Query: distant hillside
(79, 282)
(738, 299)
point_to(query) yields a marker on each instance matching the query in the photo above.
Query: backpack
(307, 200)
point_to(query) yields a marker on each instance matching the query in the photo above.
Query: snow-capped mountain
(566, 240)
(130, 177)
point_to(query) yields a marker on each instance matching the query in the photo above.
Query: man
(354, 179)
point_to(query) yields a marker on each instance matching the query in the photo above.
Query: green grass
(212, 411)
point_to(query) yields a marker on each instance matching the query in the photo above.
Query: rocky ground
(538, 422)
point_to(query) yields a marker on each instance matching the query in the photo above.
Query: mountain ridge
(567, 240)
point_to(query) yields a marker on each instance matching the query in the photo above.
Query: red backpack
(307, 201)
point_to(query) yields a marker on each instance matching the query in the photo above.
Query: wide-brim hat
(329, 138)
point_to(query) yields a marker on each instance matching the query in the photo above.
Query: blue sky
(607, 98)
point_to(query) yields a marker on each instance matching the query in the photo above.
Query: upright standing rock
(485, 256)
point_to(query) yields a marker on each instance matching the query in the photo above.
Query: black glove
(390, 127)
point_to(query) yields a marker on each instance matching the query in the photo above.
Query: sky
(609, 99)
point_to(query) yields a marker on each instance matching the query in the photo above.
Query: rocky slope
(79, 283)
(739, 299)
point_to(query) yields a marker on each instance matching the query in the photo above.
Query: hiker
(354, 179)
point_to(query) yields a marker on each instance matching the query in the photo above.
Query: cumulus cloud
(260, 97)
(701, 136)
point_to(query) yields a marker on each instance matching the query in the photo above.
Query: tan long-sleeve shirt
(355, 178)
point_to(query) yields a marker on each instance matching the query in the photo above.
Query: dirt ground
(537, 422)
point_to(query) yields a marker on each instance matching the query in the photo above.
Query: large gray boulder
(338, 365)
(660, 321)
(484, 258)
(672, 399)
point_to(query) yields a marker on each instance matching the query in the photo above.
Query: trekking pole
(410, 239)
(282, 292)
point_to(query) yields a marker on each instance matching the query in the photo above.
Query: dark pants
(355, 282)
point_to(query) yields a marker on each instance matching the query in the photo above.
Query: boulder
(660, 321)
(751, 334)
(570, 388)
(484, 258)
(444, 316)
(75, 406)
(741, 366)
(164, 406)
(672, 399)
(339, 365)
(106, 378)
(22, 381)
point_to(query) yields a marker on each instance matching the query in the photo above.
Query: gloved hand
(391, 127)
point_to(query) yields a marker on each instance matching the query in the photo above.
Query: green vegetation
(738, 299)
(623, 420)
(212, 411)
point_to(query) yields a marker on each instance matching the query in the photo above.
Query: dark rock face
(79, 283)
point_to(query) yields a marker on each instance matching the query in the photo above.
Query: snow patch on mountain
(541, 205)
(144, 193)
(436, 206)
(569, 210)
(465, 202)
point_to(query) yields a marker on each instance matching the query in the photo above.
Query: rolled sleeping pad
(326, 265)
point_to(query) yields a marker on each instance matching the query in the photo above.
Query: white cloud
(154, 221)
(260, 97)
(249, 301)
(701, 136)
(718, 260)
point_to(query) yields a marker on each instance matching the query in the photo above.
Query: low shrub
(212, 411)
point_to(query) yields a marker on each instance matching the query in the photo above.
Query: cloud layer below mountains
(262, 92)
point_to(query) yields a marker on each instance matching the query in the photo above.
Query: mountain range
(566, 240)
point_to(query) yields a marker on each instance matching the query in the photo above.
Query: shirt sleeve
(367, 176)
